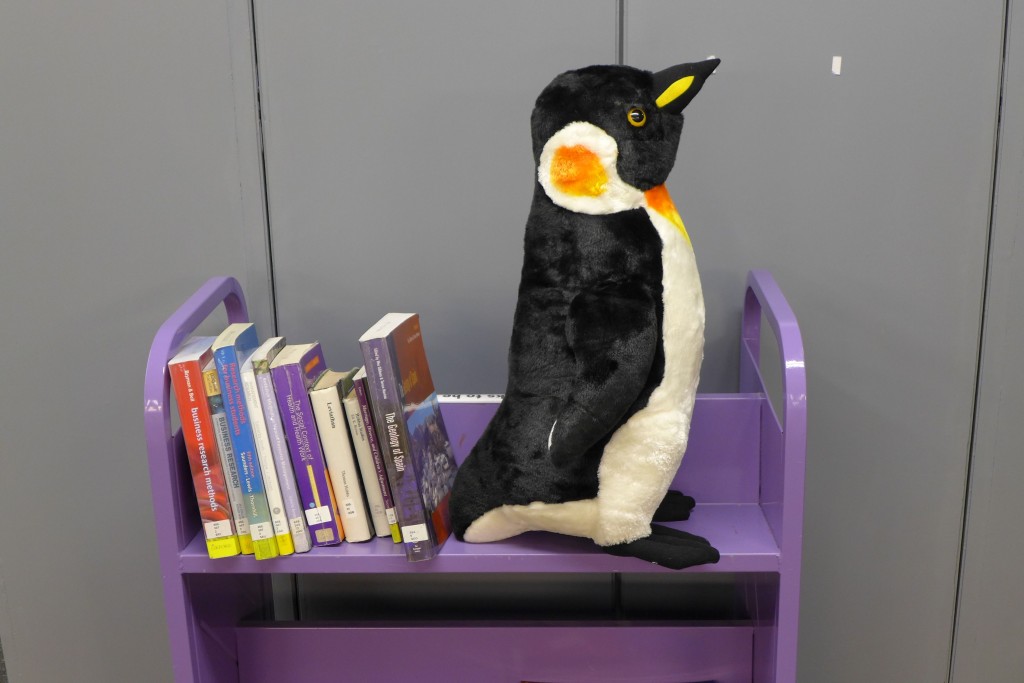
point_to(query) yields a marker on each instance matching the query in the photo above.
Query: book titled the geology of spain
(421, 465)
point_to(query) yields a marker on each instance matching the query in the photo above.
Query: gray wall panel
(128, 176)
(990, 624)
(867, 194)
(400, 169)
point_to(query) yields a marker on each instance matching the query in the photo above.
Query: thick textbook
(230, 351)
(295, 369)
(261, 360)
(186, 370)
(331, 425)
(211, 383)
(418, 455)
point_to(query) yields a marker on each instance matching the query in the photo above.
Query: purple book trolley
(744, 465)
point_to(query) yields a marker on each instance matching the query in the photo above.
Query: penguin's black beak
(677, 85)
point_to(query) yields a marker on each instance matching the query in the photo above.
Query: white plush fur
(617, 195)
(642, 457)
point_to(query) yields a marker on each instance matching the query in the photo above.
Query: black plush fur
(590, 290)
(585, 345)
(601, 95)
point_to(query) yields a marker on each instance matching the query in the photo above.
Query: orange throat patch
(659, 200)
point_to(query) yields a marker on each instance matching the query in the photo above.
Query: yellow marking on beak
(674, 91)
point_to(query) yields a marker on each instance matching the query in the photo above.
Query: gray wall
(868, 195)
(397, 137)
(990, 621)
(410, 156)
(128, 175)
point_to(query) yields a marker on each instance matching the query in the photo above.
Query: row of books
(287, 454)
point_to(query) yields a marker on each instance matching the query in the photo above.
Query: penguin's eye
(637, 117)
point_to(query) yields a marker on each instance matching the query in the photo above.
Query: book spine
(394, 437)
(261, 526)
(438, 472)
(380, 473)
(265, 457)
(227, 458)
(333, 430)
(204, 463)
(367, 473)
(307, 457)
(283, 462)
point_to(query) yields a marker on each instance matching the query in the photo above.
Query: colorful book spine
(294, 371)
(230, 351)
(331, 425)
(379, 472)
(186, 371)
(420, 464)
(279, 444)
(265, 457)
(227, 455)
(387, 413)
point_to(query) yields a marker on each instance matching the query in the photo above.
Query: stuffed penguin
(608, 333)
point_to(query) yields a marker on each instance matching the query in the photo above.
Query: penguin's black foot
(669, 548)
(675, 508)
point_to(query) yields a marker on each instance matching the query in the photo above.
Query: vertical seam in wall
(258, 85)
(983, 322)
(620, 31)
(272, 280)
(5, 612)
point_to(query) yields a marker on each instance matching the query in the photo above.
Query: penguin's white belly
(642, 456)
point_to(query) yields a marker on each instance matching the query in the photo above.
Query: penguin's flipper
(614, 337)
(676, 507)
(667, 547)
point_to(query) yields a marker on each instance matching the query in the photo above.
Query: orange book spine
(204, 459)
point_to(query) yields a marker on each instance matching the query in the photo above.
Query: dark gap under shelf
(509, 597)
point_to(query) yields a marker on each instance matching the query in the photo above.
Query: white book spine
(227, 461)
(264, 454)
(333, 429)
(366, 467)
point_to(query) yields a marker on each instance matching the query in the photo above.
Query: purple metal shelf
(744, 464)
(741, 534)
(650, 653)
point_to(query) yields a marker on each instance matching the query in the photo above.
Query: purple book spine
(282, 458)
(366, 414)
(291, 386)
(390, 423)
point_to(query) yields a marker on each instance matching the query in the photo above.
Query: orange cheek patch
(578, 171)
